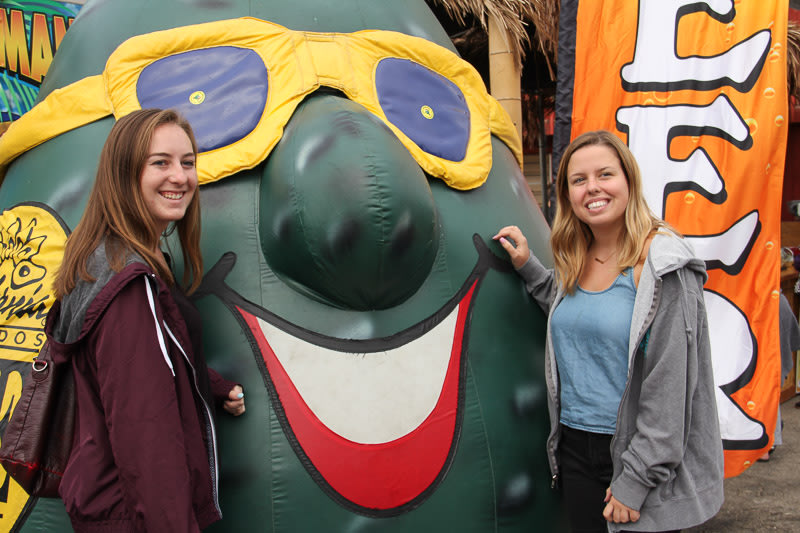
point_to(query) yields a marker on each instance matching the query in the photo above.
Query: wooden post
(543, 158)
(504, 73)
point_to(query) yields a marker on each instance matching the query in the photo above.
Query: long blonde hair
(117, 212)
(570, 238)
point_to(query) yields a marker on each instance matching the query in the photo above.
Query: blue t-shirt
(590, 338)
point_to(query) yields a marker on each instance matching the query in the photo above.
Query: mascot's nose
(347, 215)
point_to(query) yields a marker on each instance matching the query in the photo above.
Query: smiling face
(169, 178)
(597, 188)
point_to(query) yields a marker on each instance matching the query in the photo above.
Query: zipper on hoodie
(556, 399)
(210, 429)
(211, 433)
(644, 333)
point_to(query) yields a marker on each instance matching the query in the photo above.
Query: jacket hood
(673, 254)
(84, 305)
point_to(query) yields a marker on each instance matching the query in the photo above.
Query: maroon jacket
(144, 454)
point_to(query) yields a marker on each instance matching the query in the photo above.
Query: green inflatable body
(391, 358)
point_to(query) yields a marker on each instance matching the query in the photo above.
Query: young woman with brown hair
(635, 440)
(144, 452)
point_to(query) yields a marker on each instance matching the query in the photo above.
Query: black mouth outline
(214, 284)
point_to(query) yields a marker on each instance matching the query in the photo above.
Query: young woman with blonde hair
(144, 451)
(635, 440)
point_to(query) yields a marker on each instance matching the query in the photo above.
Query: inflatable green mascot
(353, 170)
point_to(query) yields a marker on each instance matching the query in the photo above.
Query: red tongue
(373, 476)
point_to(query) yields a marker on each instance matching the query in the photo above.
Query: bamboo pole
(504, 72)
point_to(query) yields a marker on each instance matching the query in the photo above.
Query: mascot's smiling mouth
(375, 422)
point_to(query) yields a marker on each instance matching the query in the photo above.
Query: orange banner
(698, 92)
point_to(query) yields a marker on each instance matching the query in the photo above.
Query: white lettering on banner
(657, 67)
(650, 132)
(651, 129)
(734, 360)
(728, 250)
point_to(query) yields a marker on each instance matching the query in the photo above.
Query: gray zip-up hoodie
(667, 449)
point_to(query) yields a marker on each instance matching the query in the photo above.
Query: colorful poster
(697, 89)
(30, 33)
(32, 239)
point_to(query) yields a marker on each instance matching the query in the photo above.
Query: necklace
(603, 261)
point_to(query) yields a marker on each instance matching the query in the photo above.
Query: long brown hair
(117, 212)
(570, 237)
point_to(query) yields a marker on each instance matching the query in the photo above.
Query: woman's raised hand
(515, 244)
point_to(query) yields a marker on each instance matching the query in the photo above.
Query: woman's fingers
(514, 243)
(235, 402)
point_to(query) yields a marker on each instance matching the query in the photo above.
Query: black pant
(586, 470)
(585, 467)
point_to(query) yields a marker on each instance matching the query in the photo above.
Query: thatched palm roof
(514, 16)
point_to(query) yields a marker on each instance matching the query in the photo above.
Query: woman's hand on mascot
(515, 245)
(235, 402)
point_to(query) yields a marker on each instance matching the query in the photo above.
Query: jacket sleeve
(539, 282)
(664, 383)
(138, 394)
(220, 387)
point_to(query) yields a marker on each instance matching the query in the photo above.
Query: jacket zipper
(211, 433)
(551, 447)
(210, 429)
(642, 333)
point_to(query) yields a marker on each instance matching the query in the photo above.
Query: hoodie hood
(673, 254)
(83, 306)
(669, 253)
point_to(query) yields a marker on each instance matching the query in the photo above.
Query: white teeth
(172, 195)
(369, 398)
(596, 204)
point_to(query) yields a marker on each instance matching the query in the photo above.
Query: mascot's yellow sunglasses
(238, 82)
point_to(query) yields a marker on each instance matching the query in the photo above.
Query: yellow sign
(32, 242)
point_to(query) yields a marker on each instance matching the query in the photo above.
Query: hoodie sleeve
(137, 391)
(220, 387)
(539, 282)
(664, 382)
